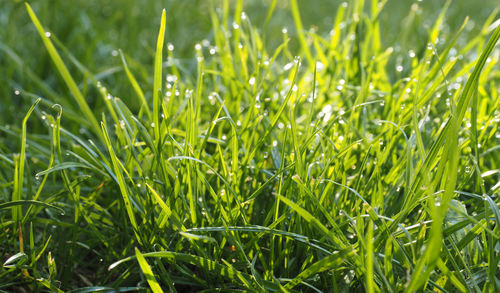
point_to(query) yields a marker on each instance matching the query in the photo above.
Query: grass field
(295, 146)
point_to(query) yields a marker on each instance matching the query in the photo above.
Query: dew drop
(171, 78)
(288, 66)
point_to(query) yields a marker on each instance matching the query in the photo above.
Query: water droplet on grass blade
(288, 66)
(320, 66)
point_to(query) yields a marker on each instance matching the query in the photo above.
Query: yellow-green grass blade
(19, 170)
(228, 272)
(157, 85)
(136, 86)
(121, 181)
(63, 70)
(148, 273)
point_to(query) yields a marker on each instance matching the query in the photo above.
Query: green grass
(272, 160)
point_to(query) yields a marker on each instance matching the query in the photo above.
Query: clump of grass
(266, 171)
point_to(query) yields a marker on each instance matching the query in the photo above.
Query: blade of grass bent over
(19, 174)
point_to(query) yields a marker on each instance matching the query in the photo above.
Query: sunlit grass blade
(157, 87)
(20, 161)
(148, 273)
(121, 182)
(136, 86)
(63, 70)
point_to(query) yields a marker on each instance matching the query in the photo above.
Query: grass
(294, 160)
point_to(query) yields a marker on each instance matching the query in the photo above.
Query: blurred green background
(93, 30)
